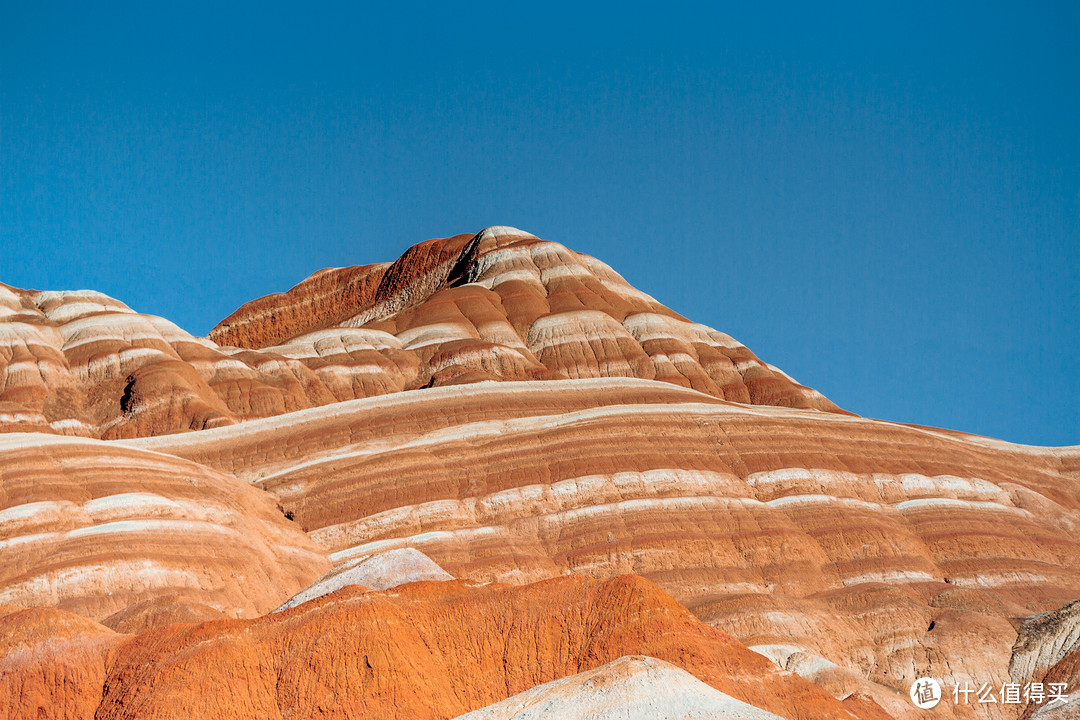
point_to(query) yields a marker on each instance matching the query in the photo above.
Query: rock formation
(501, 305)
(791, 528)
(1047, 651)
(516, 413)
(630, 688)
(99, 529)
(424, 650)
(380, 571)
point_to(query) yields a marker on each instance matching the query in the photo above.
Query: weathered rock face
(620, 438)
(1047, 651)
(888, 551)
(95, 529)
(630, 687)
(52, 664)
(81, 363)
(501, 305)
(425, 650)
(380, 571)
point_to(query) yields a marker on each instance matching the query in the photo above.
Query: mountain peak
(500, 304)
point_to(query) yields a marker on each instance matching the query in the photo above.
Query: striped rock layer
(422, 651)
(629, 687)
(859, 552)
(1047, 651)
(500, 305)
(102, 530)
(620, 438)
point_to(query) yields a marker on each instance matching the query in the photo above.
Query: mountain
(424, 650)
(500, 410)
(500, 305)
(629, 687)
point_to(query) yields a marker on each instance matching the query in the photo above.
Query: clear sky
(883, 200)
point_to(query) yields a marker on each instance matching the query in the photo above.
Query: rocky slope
(1047, 651)
(884, 551)
(380, 571)
(517, 413)
(501, 305)
(99, 529)
(424, 650)
(629, 688)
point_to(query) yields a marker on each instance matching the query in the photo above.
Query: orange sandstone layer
(500, 305)
(887, 551)
(620, 438)
(425, 650)
(98, 529)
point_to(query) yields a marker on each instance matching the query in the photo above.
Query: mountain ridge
(529, 422)
(498, 305)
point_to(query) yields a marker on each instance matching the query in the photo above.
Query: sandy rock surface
(630, 688)
(380, 571)
(502, 410)
(423, 650)
(500, 305)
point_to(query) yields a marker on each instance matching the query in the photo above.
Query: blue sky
(884, 201)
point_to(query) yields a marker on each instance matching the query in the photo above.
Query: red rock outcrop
(81, 363)
(500, 305)
(620, 438)
(425, 650)
(52, 664)
(889, 551)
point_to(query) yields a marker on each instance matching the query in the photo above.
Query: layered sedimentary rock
(81, 363)
(52, 664)
(630, 687)
(380, 571)
(516, 412)
(1043, 641)
(887, 551)
(424, 650)
(500, 305)
(1047, 652)
(99, 529)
